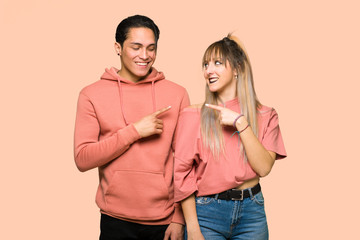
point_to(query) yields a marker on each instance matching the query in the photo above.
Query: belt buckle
(241, 198)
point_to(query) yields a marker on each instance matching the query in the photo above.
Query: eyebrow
(136, 43)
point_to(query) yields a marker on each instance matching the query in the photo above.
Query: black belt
(237, 194)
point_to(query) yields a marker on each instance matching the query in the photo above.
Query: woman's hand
(227, 116)
(195, 235)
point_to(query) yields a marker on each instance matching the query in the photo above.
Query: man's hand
(150, 124)
(175, 231)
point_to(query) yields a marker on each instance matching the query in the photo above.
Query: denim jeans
(222, 219)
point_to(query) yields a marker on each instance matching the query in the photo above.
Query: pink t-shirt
(196, 171)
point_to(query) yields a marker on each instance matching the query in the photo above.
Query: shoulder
(267, 115)
(170, 89)
(191, 113)
(193, 109)
(196, 106)
(95, 87)
(170, 84)
(264, 111)
(189, 121)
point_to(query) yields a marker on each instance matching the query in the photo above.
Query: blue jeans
(222, 219)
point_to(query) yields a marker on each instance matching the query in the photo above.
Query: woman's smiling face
(219, 77)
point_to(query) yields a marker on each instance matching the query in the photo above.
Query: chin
(212, 90)
(142, 73)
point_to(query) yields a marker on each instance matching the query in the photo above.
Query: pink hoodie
(136, 175)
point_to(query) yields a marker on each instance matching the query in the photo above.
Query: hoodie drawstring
(153, 95)
(122, 102)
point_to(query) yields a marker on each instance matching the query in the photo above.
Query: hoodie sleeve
(185, 102)
(178, 216)
(89, 152)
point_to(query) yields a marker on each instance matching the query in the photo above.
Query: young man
(125, 127)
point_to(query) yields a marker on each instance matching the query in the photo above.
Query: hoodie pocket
(137, 195)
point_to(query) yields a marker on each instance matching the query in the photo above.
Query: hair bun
(226, 39)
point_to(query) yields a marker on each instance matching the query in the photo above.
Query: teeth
(142, 64)
(212, 80)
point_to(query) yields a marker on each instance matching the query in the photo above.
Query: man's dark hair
(135, 21)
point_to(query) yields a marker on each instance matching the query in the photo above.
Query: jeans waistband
(237, 194)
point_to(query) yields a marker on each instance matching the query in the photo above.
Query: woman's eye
(218, 63)
(206, 65)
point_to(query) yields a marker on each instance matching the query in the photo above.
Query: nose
(143, 54)
(209, 69)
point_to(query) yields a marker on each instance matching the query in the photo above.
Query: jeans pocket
(204, 200)
(258, 198)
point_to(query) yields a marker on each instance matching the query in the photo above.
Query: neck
(131, 77)
(224, 97)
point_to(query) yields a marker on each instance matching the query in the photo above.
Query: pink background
(305, 57)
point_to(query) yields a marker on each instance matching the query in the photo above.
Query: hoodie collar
(112, 75)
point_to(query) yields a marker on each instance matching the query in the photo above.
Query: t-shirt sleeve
(272, 138)
(186, 154)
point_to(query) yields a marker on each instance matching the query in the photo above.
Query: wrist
(193, 225)
(236, 120)
(137, 128)
(194, 228)
(241, 124)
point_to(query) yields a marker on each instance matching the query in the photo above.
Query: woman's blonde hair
(228, 50)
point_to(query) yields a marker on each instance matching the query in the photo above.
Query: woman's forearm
(189, 210)
(259, 158)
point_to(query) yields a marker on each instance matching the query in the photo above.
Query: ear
(117, 48)
(235, 73)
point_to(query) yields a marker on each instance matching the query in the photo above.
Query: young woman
(223, 148)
